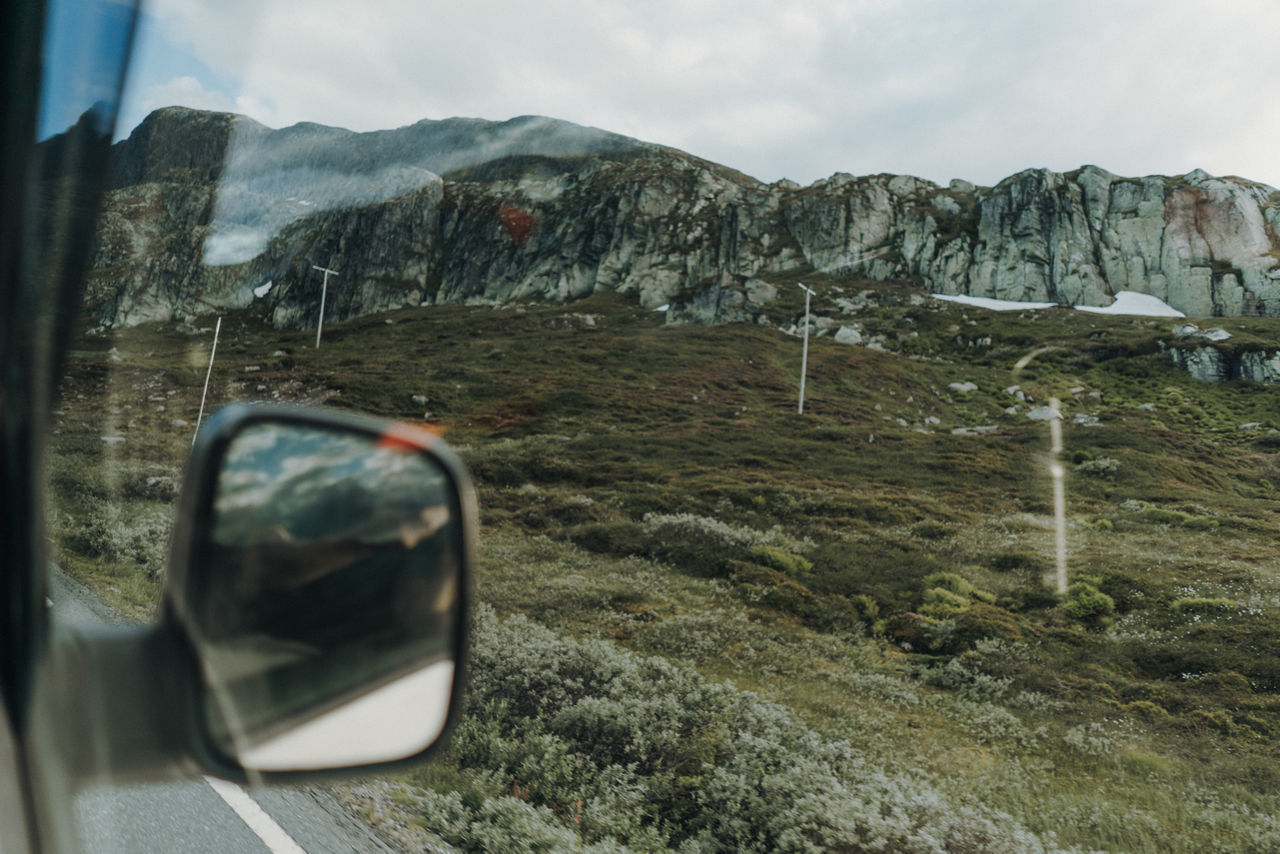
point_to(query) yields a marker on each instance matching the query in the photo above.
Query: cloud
(188, 92)
(803, 89)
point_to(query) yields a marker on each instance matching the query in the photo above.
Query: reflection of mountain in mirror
(273, 177)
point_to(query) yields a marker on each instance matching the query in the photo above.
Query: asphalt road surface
(203, 816)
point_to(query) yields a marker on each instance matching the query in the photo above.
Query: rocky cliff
(1207, 246)
(213, 210)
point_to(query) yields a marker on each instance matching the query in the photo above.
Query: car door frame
(41, 277)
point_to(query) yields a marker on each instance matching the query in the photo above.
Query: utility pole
(324, 291)
(804, 357)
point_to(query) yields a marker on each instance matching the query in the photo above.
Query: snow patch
(1126, 302)
(262, 290)
(1134, 303)
(993, 304)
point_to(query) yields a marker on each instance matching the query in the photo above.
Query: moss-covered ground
(881, 566)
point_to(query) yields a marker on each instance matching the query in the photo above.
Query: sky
(798, 89)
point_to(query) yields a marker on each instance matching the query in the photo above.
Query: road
(203, 816)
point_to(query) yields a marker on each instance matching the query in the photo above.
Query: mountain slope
(882, 566)
(464, 209)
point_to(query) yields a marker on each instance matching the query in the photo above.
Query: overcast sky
(799, 89)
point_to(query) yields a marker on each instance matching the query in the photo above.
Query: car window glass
(1002, 579)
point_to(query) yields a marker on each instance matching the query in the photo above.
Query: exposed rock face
(176, 144)
(1213, 365)
(147, 259)
(1204, 245)
(465, 210)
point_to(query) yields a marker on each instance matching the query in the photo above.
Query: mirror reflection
(329, 619)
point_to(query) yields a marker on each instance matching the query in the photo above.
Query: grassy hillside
(711, 622)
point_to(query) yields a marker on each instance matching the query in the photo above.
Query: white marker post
(324, 291)
(1059, 494)
(216, 330)
(804, 357)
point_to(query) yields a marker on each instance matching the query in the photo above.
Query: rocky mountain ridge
(214, 210)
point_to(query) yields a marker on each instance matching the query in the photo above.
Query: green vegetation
(712, 624)
(1087, 603)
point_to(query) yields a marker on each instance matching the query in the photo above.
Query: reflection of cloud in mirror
(320, 485)
(240, 482)
(249, 443)
(387, 462)
(299, 464)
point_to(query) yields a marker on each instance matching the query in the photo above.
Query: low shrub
(1161, 516)
(1263, 725)
(1208, 720)
(1090, 739)
(781, 560)
(136, 534)
(932, 530)
(575, 510)
(1228, 685)
(949, 581)
(949, 594)
(982, 620)
(1204, 607)
(828, 613)
(836, 614)
(867, 607)
(940, 603)
(965, 676)
(767, 586)
(1127, 591)
(154, 484)
(1101, 467)
(1245, 646)
(621, 538)
(1030, 597)
(920, 634)
(1087, 603)
(1016, 562)
(1147, 710)
(514, 462)
(702, 545)
(587, 747)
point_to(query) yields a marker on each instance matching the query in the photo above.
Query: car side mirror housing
(320, 578)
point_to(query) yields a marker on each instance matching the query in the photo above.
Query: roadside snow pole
(1059, 494)
(1056, 472)
(216, 330)
(804, 356)
(324, 291)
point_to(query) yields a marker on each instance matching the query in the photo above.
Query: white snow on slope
(1132, 302)
(1126, 302)
(993, 304)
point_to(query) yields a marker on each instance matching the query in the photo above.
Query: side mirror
(320, 574)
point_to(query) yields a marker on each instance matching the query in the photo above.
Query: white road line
(272, 835)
